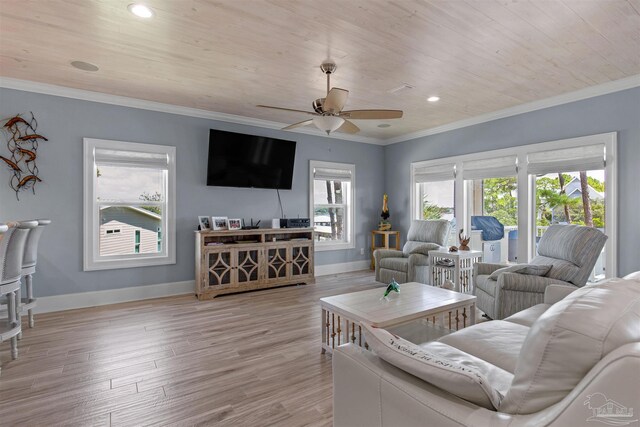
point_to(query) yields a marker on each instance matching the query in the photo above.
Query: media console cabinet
(245, 260)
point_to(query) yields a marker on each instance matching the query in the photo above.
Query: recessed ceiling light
(433, 99)
(384, 125)
(84, 66)
(140, 10)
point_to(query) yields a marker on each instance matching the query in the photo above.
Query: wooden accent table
(460, 273)
(385, 242)
(342, 314)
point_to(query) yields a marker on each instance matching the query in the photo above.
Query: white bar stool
(11, 255)
(29, 267)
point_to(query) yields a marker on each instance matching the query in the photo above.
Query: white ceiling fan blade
(287, 109)
(299, 124)
(348, 127)
(335, 100)
(372, 114)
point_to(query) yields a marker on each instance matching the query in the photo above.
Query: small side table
(385, 242)
(461, 273)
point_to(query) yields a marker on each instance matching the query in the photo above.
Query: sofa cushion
(398, 264)
(445, 367)
(633, 276)
(531, 269)
(560, 269)
(497, 342)
(528, 316)
(568, 339)
(489, 286)
(429, 231)
(413, 247)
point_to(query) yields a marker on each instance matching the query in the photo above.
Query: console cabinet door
(247, 265)
(220, 270)
(276, 263)
(301, 260)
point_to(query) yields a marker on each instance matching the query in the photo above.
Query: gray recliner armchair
(423, 236)
(569, 253)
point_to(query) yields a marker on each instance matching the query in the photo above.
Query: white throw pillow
(462, 380)
(531, 269)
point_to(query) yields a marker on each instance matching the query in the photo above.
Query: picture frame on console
(204, 223)
(235, 224)
(219, 223)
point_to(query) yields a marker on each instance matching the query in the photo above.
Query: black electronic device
(240, 160)
(295, 223)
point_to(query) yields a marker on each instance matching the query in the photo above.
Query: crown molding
(67, 92)
(588, 92)
(124, 101)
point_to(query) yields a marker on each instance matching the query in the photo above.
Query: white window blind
(138, 159)
(589, 157)
(496, 167)
(435, 173)
(331, 174)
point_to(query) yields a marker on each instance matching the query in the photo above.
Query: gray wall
(66, 121)
(618, 112)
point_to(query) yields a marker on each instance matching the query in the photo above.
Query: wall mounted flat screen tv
(240, 160)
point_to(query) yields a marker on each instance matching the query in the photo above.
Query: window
(136, 248)
(526, 189)
(332, 204)
(570, 189)
(492, 190)
(129, 204)
(434, 190)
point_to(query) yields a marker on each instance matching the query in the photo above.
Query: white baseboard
(344, 267)
(113, 296)
(137, 293)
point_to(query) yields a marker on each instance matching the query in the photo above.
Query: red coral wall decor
(22, 142)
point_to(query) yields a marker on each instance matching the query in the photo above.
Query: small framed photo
(204, 223)
(235, 224)
(219, 223)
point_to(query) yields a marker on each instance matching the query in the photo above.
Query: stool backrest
(31, 246)
(12, 251)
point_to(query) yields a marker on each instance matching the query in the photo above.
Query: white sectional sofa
(571, 361)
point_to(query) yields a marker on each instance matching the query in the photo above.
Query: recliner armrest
(526, 283)
(483, 268)
(555, 293)
(378, 254)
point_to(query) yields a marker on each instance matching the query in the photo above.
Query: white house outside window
(332, 204)
(129, 204)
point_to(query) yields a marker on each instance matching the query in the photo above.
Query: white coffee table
(342, 315)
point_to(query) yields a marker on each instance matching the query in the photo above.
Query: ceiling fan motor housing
(317, 105)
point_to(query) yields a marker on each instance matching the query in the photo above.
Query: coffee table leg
(323, 326)
(472, 314)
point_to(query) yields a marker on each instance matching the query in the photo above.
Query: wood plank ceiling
(227, 56)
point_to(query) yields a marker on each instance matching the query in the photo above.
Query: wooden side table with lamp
(386, 234)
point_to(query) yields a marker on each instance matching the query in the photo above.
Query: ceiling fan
(328, 113)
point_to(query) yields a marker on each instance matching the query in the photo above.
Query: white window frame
(91, 212)
(350, 208)
(526, 195)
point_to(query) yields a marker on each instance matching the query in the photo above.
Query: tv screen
(240, 160)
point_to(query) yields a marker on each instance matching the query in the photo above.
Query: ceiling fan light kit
(328, 113)
(328, 123)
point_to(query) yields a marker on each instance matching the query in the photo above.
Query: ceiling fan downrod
(328, 68)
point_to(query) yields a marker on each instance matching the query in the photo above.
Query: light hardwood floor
(245, 359)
